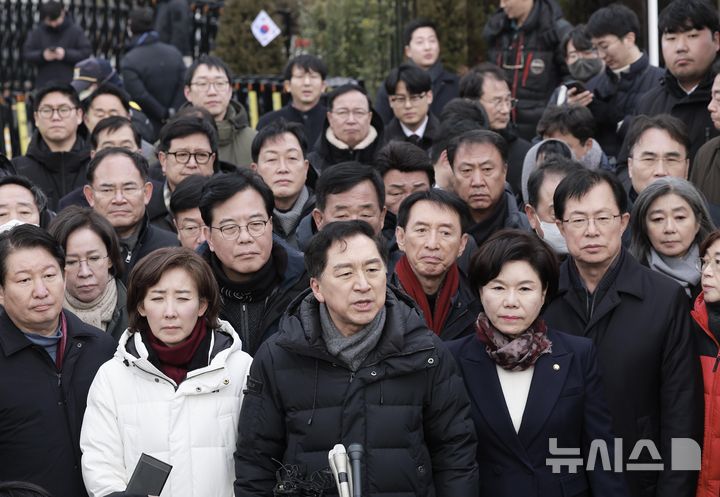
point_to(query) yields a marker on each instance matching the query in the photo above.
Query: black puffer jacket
(531, 57)
(55, 173)
(406, 404)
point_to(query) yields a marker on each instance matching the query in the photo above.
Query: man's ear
(315, 287)
(253, 166)
(400, 237)
(89, 195)
(318, 218)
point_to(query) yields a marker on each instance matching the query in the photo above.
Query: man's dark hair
(38, 195)
(187, 193)
(449, 130)
(509, 245)
(416, 24)
(416, 80)
(579, 38)
(50, 10)
(577, 184)
(338, 231)
(405, 157)
(141, 20)
(553, 147)
(553, 166)
(443, 199)
(137, 159)
(27, 236)
(211, 62)
(74, 217)
(112, 124)
(574, 120)
(342, 90)
(616, 19)
(308, 63)
(683, 15)
(108, 89)
(186, 125)
(345, 176)
(472, 83)
(66, 90)
(479, 137)
(670, 124)
(462, 109)
(275, 129)
(222, 187)
(22, 489)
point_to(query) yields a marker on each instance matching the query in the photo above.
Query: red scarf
(174, 361)
(443, 303)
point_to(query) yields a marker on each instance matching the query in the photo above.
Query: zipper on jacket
(245, 328)
(129, 256)
(717, 361)
(352, 376)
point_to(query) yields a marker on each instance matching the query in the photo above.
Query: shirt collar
(420, 132)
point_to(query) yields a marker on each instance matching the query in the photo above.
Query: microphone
(356, 451)
(338, 460)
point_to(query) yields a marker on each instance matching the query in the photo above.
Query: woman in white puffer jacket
(174, 388)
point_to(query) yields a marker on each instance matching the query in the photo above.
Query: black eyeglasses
(183, 157)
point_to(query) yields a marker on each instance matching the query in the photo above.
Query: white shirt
(515, 387)
(420, 132)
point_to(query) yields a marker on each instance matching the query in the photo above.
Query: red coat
(709, 350)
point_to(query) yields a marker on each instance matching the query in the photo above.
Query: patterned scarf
(514, 353)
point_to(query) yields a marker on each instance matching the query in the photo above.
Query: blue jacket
(565, 402)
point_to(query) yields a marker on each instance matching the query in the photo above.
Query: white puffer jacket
(134, 408)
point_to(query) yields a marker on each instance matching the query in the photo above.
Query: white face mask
(553, 237)
(11, 224)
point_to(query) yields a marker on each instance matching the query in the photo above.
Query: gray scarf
(352, 350)
(288, 220)
(99, 312)
(681, 269)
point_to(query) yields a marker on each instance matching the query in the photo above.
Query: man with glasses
(258, 274)
(524, 39)
(304, 80)
(185, 208)
(118, 188)
(410, 92)
(208, 84)
(57, 156)
(353, 132)
(640, 323)
(485, 83)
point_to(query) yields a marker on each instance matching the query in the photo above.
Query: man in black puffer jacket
(524, 39)
(354, 362)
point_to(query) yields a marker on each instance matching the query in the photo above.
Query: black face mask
(584, 69)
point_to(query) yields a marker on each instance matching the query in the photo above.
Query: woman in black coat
(535, 393)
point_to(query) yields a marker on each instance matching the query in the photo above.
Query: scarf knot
(514, 353)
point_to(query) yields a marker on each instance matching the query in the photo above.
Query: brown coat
(705, 172)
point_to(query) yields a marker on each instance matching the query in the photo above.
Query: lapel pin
(556, 367)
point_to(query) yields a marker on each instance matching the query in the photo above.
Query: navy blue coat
(565, 402)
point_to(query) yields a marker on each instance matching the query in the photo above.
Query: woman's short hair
(151, 268)
(640, 242)
(708, 241)
(73, 218)
(510, 245)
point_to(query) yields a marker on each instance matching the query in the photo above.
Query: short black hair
(39, 196)
(141, 20)
(478, 137)
(553, 147)
(404, 156)
(450, 129)
(274, 129)
(416, 24)
(579, 38)
(510, 245)
(184, 125)
(580, 182)
(111, 124)
(670, 124)
(210, 61)
(347, 88)
(553, 166)
(28, 236)
(683, 15)
(108, 89)
(616, 19)
(416, 80)
(65, 89)
(574, 120)
(337, 231)
(345, 176)
(187, 193)
(463, 109)
(137, 159)
(471, 83)
(74, 218)
(50, 10)
(308, 63)
(222, 187)
(22, 489)
(444, 199)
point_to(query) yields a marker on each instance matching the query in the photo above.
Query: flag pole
(653, 42)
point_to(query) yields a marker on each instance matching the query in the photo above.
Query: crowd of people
(472, 277)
